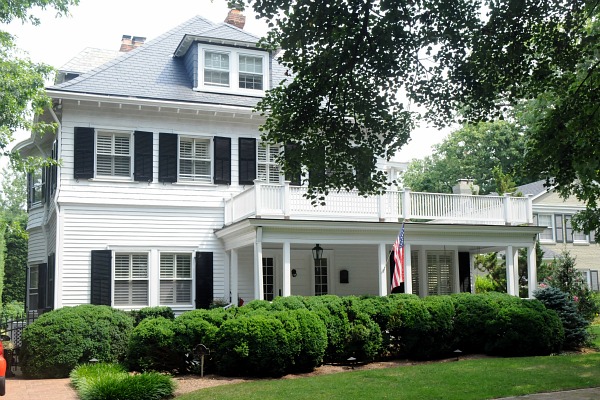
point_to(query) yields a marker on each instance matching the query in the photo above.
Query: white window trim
(212, 161)
(114, 178)
(147, 279)
(192, 278)
(37, 186)
(234, 57)
(551, 227)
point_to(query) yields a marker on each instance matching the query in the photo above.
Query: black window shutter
(292, 158)
(204, 279)
(222, 160)
(84, 153)
(101, 287)
(51, 277)
(42, 285)
(54, 169)
(558, 224)
(167, 157)
(142, 158)
(568, 229)
(247, 150)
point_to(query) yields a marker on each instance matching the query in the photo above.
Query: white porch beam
(287, 282)
(234, 284)
(258, 271)
(531, 271)
(383, 271)
(407, 269)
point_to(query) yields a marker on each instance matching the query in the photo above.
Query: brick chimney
(236, 18)
(129, 43)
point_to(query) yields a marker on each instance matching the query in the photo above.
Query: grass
(464, 380)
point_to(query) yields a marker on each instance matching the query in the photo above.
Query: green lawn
(464, 380)
(595, 330)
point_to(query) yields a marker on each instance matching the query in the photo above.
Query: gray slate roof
(88, 59)
(151, 72)
(534, 188)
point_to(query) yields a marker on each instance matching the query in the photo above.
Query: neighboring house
(555, 213)
(165, 195)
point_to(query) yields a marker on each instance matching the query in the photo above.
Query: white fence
(285, 201)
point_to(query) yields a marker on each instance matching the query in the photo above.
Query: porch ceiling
(244, 233)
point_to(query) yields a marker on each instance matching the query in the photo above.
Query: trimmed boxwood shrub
(408, 323)
(288, 303)
(440, 339)
(472, 312)
(152, 312)
(151, 346)
(574, 324)
(192, 329)
(525, 329)
(254, 344)
(61, 339)
(311, 336)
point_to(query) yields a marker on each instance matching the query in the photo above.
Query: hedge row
(293, 334)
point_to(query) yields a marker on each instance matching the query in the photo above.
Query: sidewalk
(39, 389)
(578, 394)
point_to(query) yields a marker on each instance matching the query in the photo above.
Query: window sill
(194, 183)
(112, 180)
(581, 243)
(547, 241)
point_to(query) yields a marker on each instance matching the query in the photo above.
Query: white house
(555, 214)
(166, 196)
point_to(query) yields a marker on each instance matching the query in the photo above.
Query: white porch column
(407, 269)
(511, 277)
(383, 271)
(472, 272)
(531, 271)
(233, 276)
(423, 287)
(516, 271)
(258, 270)
(287, 283)
(455, 273)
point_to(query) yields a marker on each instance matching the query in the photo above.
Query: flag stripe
(398, 247)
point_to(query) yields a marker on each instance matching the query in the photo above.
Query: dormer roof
(151, 71)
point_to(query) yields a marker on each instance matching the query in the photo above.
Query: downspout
(58, 238)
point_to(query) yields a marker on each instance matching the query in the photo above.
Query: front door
(268, 264)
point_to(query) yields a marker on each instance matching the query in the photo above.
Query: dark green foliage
(408, 324)
(565, 277)
(15, 262)
(151, 346)
(152, 312)
(61, 339)
(471, 314)
(525, 329)
(332, 311)
(288, 303)
(311, 335)
(192, 329)
(254, 344)
(110, 382)
(215, 316)
(574, 325)
(440, 339)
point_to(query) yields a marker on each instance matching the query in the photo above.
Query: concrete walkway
(579, 394)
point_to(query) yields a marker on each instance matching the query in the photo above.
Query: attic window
(232, 70)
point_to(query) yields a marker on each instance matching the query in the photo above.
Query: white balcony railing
(284, 201)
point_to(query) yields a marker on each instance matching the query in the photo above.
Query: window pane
(167, 266)
(121, 266)
(251, 72)
(131, 284)
(184, 266)
(113, 154)
(184, 292)
(195, 163)
(216, 69)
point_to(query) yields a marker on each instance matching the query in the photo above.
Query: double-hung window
(216, 69)
(267, 167)
(175, 279)
(131, 279)
(250, 72)
(194, 160)
(547, 235)
(36, 184)
(232, 70)
(113, 154)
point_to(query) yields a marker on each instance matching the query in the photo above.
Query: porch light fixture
(317, 252)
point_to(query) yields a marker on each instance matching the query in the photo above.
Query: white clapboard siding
(131, 228)
(36, 252)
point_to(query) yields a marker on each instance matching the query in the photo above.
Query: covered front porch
(267, 258)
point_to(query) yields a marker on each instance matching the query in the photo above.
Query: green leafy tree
(15, 262)
(480, 152)
(22, 81)
(357, 66)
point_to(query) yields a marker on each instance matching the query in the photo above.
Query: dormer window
(232, 70)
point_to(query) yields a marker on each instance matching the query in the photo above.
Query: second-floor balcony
(289, 202)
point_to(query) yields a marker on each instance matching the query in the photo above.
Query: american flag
(398, 259)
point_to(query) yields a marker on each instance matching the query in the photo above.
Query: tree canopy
(21, 80)
(487, 152)
(358, 66)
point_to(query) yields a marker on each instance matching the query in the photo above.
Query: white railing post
(286, 199)
(406, 211)
(257, 196)
(507, 210)
(381, 206)
(231, 210)
(529, 209)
